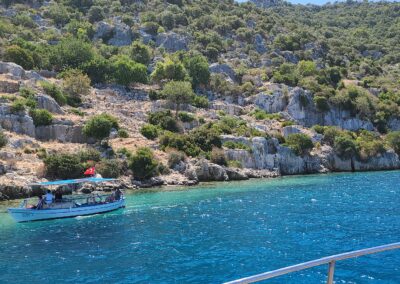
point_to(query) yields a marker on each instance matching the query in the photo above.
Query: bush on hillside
(345, 147)
(175, 157)
(3, 139)
(109, 168)
(218, 157)
(200, 102)
(300, 143)
(55, 92)
(126, 71)
(75, 85)
(149, 131)
(164, 120)
(41, 117)
(143, 164)
(63, 166)
(19, 56)
(99, 126)
(393, 139)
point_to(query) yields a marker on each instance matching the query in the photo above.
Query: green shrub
(287, 123)
(236, 145)
(143, 164)
(319, 129)
(3, 139)
(126, 71)
(140, 53)
(18, 106)
(345, 147)
(175, 157)
(123, 133)
(41, 117)
(235, 164)
(197, 66)
(149, 131)
(300, 143)
(99, 126)
(155, 95)
(164, 120)
(393, 139)
(218, 157)
(330, 133)
(19, 56)
(321, 103)
(55, 92)
(64, 166)
(71, 53)
(181, 142)
(185, 117)
(75, 85)
(89, 154)
(200, 102)
(109, 168)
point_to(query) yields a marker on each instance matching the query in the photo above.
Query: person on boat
(49, 197)
(118, 194)
(58, 195)
(39, 204)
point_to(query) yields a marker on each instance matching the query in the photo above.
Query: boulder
(103, 30)
(231, 109)
(48, 103)
(224, 69)
(20, 123)
(290, 57)
(271, 103)
(207, 171)
(171, 41)
(236, 174)
(12, 68)
(122, 35)
(259, 44)
(61, 133)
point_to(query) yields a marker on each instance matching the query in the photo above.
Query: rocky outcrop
(13, 69)
(206, 171)
(8, 86)
(171, 41)
(20, 123)
(225, 70)
(259, 44)
(48, 103)
(61, 133)
(117, 34)
(299, 106)
(231, 109)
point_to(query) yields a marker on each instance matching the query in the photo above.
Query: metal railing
(330, 260)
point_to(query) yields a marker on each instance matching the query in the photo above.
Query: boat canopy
(73, 181)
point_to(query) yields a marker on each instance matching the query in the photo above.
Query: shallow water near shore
(217, 232)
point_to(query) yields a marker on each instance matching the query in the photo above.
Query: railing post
(331, 271)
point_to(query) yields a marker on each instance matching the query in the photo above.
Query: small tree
(41, 117)
(300, 143)
(127, 71)
(20, 56)
(393, 139)
(143, 164)
(99, 126)
(140, 52)
(178, 93)
(197, 67)
(75, 85)
(345, 147)
(63, 166)
(149, 131)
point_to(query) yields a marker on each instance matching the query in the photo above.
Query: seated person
(118, 194)
(49, 197)
(58, 195)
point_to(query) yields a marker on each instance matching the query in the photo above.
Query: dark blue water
(215, 233)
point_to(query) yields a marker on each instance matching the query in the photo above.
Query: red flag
(90, 171)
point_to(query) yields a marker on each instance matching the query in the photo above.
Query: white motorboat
(68, 207)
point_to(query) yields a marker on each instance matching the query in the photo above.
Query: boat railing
(330, 260)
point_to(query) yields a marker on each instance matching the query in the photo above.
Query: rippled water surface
(216, 232)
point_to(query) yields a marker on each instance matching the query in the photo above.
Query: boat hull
(25, 215)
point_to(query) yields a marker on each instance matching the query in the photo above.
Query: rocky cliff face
(298, 104)
(267, 154)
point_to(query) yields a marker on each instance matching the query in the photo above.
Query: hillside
(177, 92)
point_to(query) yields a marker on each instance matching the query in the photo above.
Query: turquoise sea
(216, 232)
